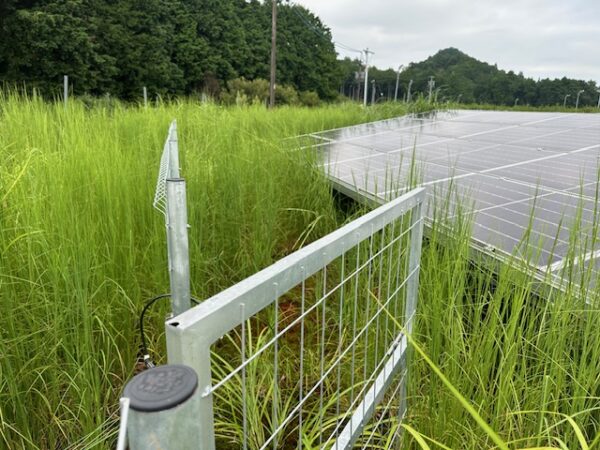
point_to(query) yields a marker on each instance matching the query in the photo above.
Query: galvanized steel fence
(311, 351)
(170, 200)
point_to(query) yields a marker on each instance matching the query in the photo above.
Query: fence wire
(169, 168)
(311, 352)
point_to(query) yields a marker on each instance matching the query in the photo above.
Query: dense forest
(459, 77)
(171, 46)
(222, 47)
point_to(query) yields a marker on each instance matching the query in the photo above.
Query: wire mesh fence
(311, 352)
(169, 168)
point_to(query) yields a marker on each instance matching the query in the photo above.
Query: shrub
(309, 98)
(286, 95)
(240, 91)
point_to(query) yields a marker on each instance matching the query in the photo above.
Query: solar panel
(526, 176)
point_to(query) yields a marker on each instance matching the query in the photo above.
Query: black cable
(147, 360)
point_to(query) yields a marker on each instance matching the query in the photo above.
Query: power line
(345, 47)
(318, 31)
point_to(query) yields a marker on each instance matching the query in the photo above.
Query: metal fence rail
(304, 354)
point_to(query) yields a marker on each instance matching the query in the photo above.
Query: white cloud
(541, 38)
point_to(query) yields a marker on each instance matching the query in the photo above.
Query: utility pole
(431, 85)
(273, 53)
(367, 51)
(373, 92)
(397, 81)
(598, 98)
(408, 98)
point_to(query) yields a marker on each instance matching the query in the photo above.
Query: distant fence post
(145, 97)
(66, 89)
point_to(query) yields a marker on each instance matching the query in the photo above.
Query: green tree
(307, 57)
(44, 42)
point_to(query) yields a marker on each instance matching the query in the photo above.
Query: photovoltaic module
(527, 180)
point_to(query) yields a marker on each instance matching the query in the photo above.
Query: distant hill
(458, 74)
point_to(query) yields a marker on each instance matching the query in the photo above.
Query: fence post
(187, 349)
(412, 289)
(145, 97)
(163, 409)
(173, 152)
(416, 238)
(177, 237)
(66, 89)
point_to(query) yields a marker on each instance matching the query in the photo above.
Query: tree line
(459, 77)
(173, 47)
(219, 47)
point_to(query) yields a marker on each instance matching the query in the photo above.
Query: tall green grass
(504, 360)
(525, 355)
(81, 247)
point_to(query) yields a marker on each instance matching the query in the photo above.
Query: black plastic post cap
(161, 388)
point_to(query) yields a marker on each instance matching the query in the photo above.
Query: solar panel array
(527, 177)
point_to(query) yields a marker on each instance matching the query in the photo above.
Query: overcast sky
(541, 38)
